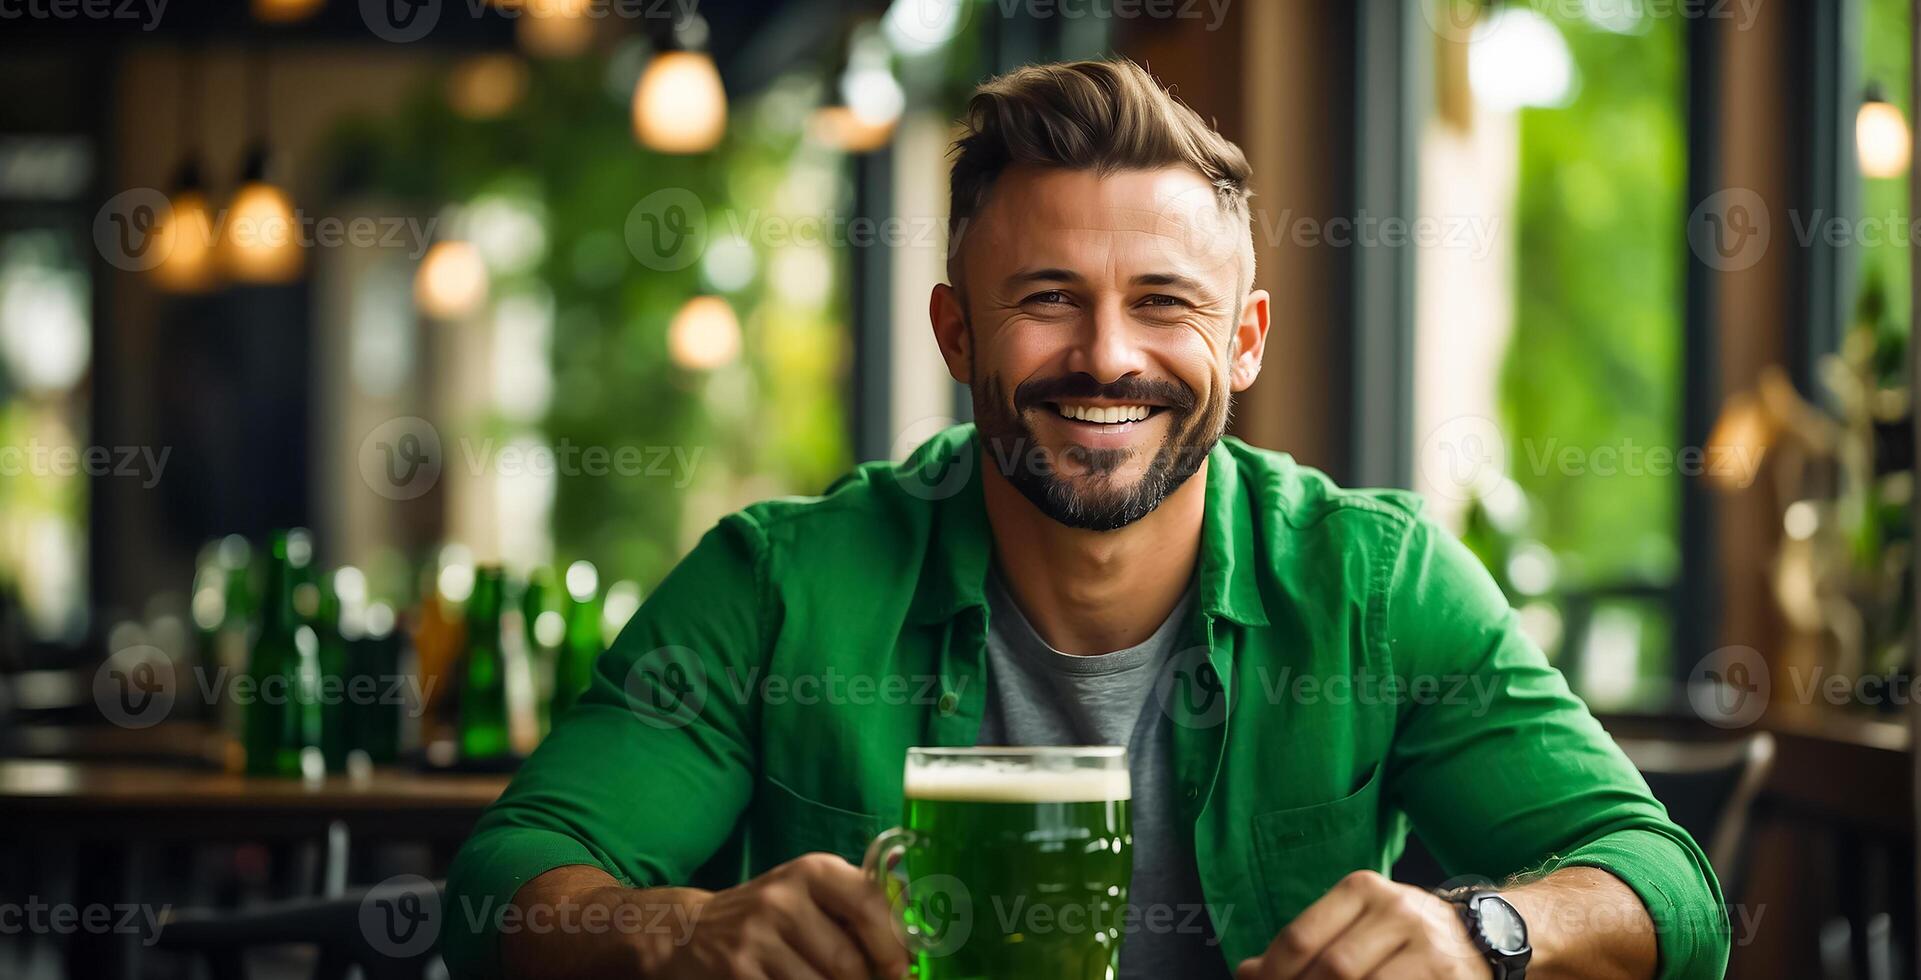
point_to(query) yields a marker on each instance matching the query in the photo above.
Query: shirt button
(948, 702)
(1193, 792)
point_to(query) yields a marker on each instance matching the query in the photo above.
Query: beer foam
(990, 783)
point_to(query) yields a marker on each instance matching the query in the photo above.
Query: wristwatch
(1497, 930)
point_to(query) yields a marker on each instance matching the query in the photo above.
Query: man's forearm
(1584, 922)
(578, 921)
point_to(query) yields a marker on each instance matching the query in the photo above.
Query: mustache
(1145, 390)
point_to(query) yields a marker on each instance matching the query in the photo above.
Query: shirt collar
(946, 471)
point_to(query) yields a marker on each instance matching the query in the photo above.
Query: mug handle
(879, 866)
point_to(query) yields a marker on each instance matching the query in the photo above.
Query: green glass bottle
(282, 715)
(335, 734)
(583, 642)
(232, 638)
(541, 621)
(483, 672)
(375, 657)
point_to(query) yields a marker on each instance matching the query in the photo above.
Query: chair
(1709, 789)
(389, 931)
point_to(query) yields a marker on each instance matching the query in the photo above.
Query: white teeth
(1109, 414)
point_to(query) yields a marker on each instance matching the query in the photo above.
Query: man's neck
(1093, 592)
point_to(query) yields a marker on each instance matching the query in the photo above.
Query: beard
(1082, 487)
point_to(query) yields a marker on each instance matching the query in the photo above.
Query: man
(1299, 671)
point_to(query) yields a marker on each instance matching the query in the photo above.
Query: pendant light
(184, 239)
(260, 240)
(679, 103)
(1881, 137)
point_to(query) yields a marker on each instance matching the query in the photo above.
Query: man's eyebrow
(1043, 275)
(1170, 279)
(1144, 279)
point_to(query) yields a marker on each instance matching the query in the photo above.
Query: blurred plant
(1845, 570)
(771, 421)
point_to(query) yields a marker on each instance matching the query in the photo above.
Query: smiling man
(1300, 672)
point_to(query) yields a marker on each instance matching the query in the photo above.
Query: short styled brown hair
(1104, 116)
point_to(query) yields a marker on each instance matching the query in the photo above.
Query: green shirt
(1348, 670)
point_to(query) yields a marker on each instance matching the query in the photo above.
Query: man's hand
(1368, 926)
(814, 917)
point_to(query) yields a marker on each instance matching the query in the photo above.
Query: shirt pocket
(787, 825)
(1302, 851)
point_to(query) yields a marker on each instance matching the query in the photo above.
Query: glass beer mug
(1010, 862)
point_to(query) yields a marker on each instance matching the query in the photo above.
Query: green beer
(1011, 862)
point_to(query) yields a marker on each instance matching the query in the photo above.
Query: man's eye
(1051, 297)
(1162, 299)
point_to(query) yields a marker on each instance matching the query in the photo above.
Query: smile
(1106, 414)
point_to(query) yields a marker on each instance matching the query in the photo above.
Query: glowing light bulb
(283, 11)
(704, 335)
(185, 242)
(452, 281)
(261, 241)
(553, 28)
(846, 130)
(486, 86)
(1882, 140)
(679, 105)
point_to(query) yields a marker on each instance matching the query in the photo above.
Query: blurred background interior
(570, 279)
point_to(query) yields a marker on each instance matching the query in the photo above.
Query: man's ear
(950, 331)
(1250, 342)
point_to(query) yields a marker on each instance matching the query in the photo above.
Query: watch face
(1501, 924)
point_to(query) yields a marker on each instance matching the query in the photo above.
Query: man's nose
(1107, 347)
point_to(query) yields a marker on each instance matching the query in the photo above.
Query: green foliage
(774, 422)
(1595, 356)
(1884, 62)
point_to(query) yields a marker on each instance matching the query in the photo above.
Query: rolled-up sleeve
(1502, 770)
(647, 775)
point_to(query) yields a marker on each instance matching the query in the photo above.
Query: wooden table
(118, 801)
(115, 814)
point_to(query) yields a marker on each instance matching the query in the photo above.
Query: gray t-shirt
(1038, 695)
